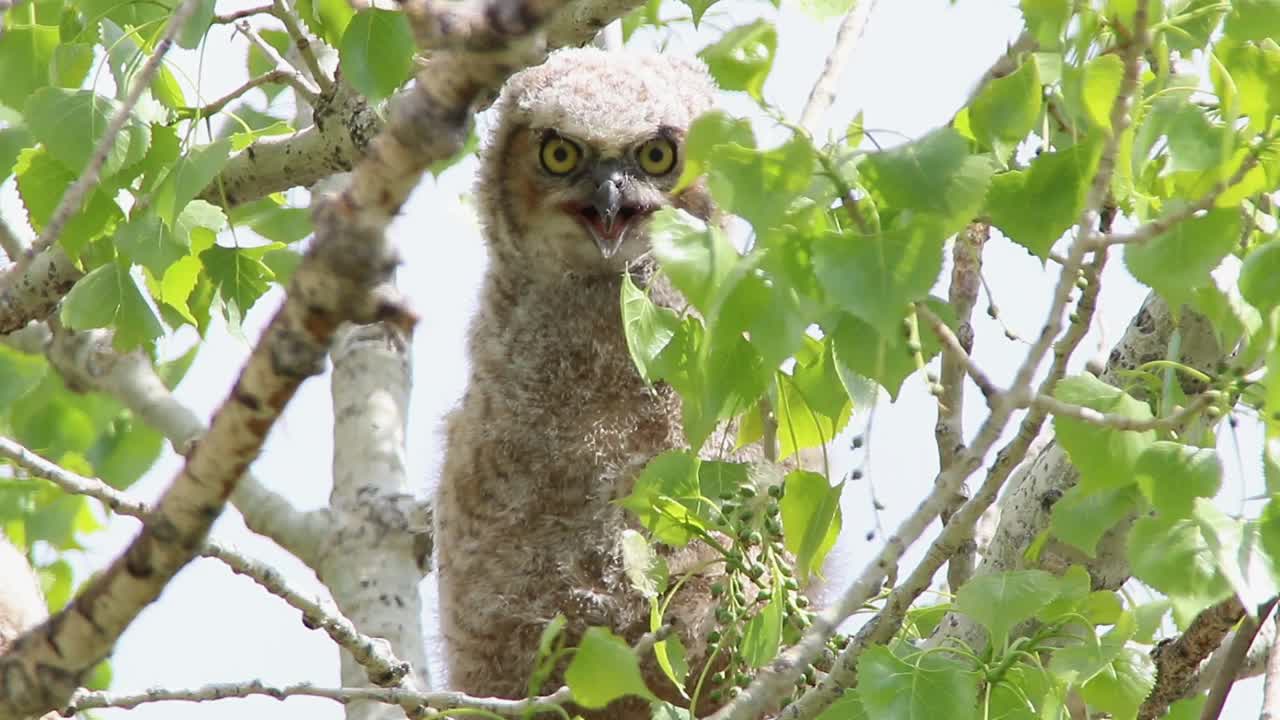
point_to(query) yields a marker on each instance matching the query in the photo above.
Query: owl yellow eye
(657, 156)
(559, 156)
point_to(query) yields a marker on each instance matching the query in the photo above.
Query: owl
(556, 423)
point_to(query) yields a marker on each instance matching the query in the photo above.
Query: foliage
(848, 239)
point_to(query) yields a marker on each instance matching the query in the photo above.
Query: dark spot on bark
(1144, 322)
(246, 399)
(1049, 499)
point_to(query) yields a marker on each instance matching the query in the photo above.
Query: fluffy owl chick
(556, 423)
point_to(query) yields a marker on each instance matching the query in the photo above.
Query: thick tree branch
(1237, 652)
(1178, 660)
(375, 556)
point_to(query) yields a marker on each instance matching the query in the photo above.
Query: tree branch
(279, 75)
(287, 15)
(411, 700)
(87, 361)
(1178, 660)
(10, 243)
(373, 654)
(1237, 651)
(824, 90)
(374, 558)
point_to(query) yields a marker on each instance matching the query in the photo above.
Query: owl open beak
(608, 217)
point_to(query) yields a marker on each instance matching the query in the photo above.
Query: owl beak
(610, 224)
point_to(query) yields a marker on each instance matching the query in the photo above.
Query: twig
(278, 74)
(952, 347)
(87, 361)
(74, 195)
(241, 14)
(1122, 422)
(371, 653)
(10, 243)
(411, 700)
(948, 432)
(824, 90)
(1163, 224)
(288, 16)
(312, 90)
(1177, 660)
(290, 77)
(1239, 648)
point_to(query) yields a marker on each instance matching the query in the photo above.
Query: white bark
(379, 546)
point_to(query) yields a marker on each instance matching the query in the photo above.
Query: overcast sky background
(913, 68)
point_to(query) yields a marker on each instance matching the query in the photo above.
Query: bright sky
(917, 62)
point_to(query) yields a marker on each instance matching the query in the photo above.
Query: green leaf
(26, 52)
(698, 8)
(1257, 276)
(1081, 517)
(1253, 20)
(1078, 663)
(604, 669)
(19, 373)
(768, 309)
(42, 182)
(803, 422)
(696, 256)
(924, 685)
(1238, 550)
(875, 277)
(648, 327)
(1173, 557)
(707, 134)
(56, 582)
(1173, 475)
(934, 174)
(197, 26)
(1046, 19)
(742, 58)
(826, 9)
(240, 276)
(124, 452)
(1034, 207)
(71, 63)
(1008, 108)
(70, 123)
(760, 186)
(999, 601)
(12, 142)
(335, 17)
(810, 519)
(1092, 90)
(149, 243)
(670, 654)
(377, 52)
(1105, 457)
(1122, 684)
(763, 634)
(273, 221)
(1179, 261)
(847, 707)
(885, 358)
(661, 497)
(190, 176)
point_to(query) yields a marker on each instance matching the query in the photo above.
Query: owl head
(585, 148)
